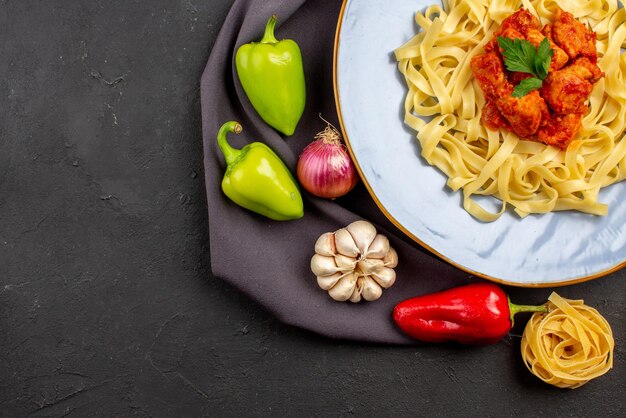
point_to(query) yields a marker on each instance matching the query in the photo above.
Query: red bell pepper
(478, 313)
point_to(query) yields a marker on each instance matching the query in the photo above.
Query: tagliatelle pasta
(444, 103)
(568, 346)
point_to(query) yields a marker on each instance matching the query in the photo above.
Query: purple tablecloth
(269, 260)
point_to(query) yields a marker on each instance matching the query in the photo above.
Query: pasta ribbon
(444, 106)
(569, 345)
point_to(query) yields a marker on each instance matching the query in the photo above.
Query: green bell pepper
(258, 180)
(272, 76)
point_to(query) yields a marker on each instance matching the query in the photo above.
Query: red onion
(325, 168)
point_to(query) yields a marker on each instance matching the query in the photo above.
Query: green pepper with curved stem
(272, 76)
(258, 180)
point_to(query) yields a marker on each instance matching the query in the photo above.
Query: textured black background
(107, 304)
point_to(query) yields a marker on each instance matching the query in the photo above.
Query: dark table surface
(107, 303)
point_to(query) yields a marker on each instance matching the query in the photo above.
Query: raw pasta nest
(568, 346)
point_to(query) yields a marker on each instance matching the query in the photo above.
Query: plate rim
(398, 225)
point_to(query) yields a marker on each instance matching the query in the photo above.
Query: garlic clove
(370, 290)
(391, 259)
(323, 266)
(379, 247)
(345, 243)
(345, 263)
(325, 245)
(326, 282)
(363, 234)
(385, 277)
(356, 295)
(370, 265)
(344, 288)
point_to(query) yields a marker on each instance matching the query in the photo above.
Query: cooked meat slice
(521, 21)
(492, 118)
(524, 114)
(511, 33)
(559, 130)
(567, 90)
(489, 73)
(586, 69)
(572, 36)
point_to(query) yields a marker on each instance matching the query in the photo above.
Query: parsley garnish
(520, 55)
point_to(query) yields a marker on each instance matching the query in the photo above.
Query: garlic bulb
(354, 263)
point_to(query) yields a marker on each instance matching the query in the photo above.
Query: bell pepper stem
(514, 309)
(268, 36)
(230, 153)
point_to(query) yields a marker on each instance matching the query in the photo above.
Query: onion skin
(325, 168)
